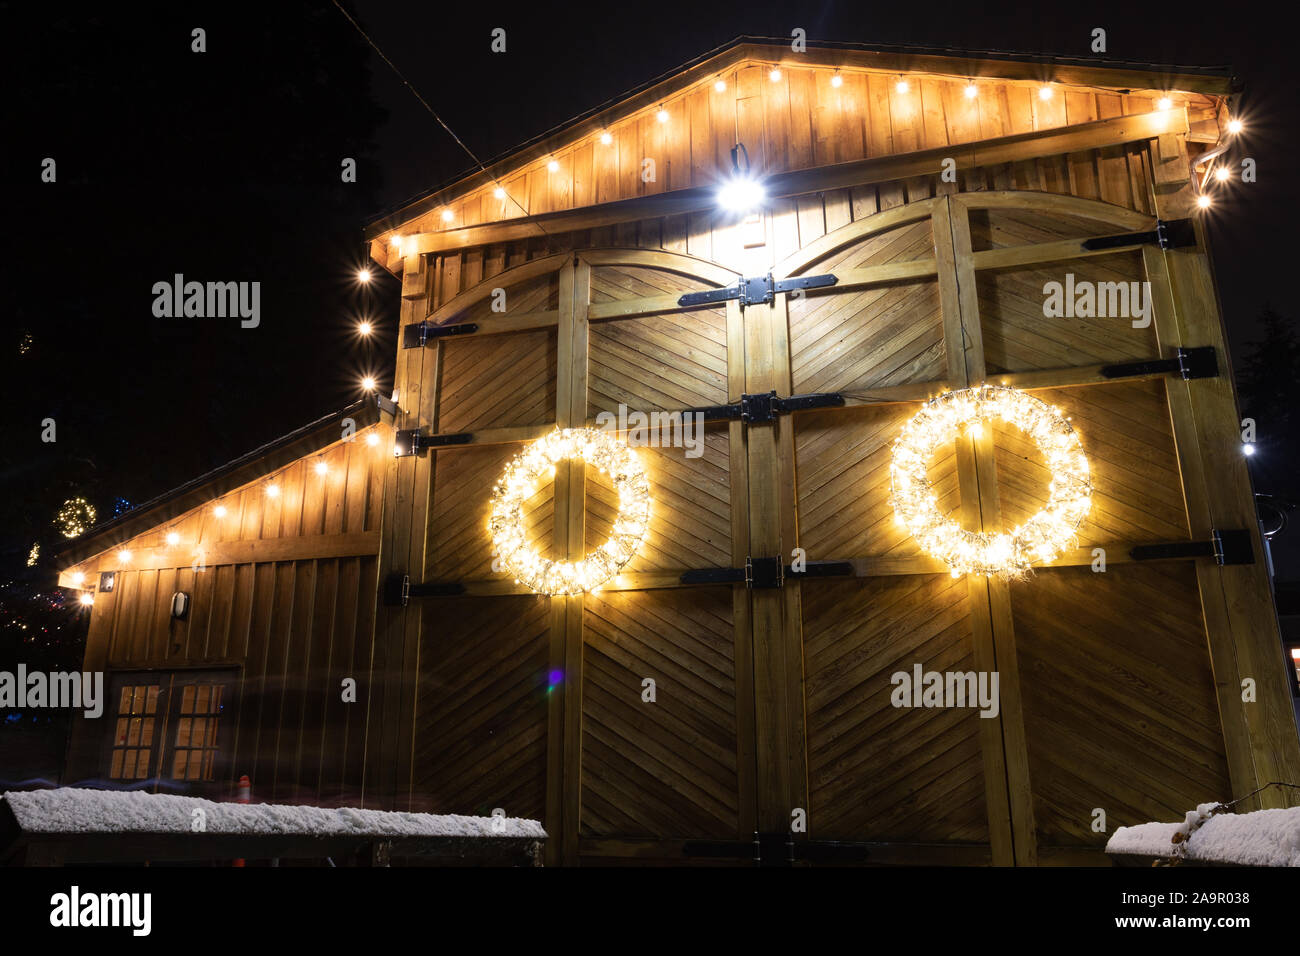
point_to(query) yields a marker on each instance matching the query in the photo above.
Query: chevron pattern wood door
(1108, 693)
(652, 715)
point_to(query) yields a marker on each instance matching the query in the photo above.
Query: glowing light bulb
(902, 86)
(1248, 448)
(720, 86)
(1222, 174)
(173, 539)
(322, 468)
(372, 439)
(553, 165)
(1044, 92)
(1234, 126)
(363, 275)
(971, 91)
(77, 578)
(397, 242)
(87, 599)
(837, 81)
(124, 556)
(219, 511)
(499, 193)
(1164, 103)
(741, 194)
(606, 138)
(365, 328)
(448, 215)
(774, 75)
(662, 116)
(1203, 201)
(368, 384)
(273, 491)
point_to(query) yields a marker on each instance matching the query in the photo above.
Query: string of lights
(1008, 553)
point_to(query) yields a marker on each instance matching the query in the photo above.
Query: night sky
(225, 166)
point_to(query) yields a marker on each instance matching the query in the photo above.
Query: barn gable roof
(474, 197)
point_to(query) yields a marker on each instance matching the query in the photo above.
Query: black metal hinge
(758, 290)
(1168, 234)
(417, 335)
(764, 407)
(1226, 546)
(765, 573)
(409, 441)
(398, 589)
(1199, 362)
(777, 850)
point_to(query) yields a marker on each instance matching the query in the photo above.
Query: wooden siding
(282, 592)
(802, 121)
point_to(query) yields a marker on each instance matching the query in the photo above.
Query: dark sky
(225, 165)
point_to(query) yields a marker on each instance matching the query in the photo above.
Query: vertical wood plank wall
(292, 621)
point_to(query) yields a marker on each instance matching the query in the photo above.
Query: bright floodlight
(1234, 126)
(364, 275)
(87, 599)
(741, 194)
(1203, 201)
(1248, 448)
(365, 328)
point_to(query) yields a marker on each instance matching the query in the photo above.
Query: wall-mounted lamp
(741, 192)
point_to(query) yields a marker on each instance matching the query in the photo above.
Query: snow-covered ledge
(84, 818)
(1261, 838)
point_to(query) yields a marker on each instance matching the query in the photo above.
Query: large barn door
(1120, 690)
(659, 726)
(666, 717)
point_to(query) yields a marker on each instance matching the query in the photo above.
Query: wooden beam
(960, 336)
(1003, 149)
(212, 554)
(1241, 622)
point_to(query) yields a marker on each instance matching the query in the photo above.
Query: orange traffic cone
(243, 795)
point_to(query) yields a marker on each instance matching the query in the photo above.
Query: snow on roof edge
(1259, 838)
(77, 810)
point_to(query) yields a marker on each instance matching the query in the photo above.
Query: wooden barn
(739, 676)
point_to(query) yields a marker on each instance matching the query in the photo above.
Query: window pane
(201, 699)
(151, 707)
(133, 736)
(116, 772)
(178, 764)
(146, 734)
(187, 700)
(183, 732)
(120, 738)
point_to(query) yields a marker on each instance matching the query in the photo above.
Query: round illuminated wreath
(1008, 553)
(521, 480)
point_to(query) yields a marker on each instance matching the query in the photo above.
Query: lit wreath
(1008, 553)
(525, 474)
